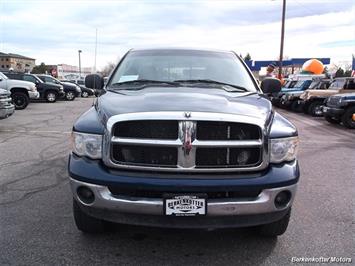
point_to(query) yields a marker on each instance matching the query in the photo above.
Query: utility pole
(95, 51)
(79, 51)
(282, 36)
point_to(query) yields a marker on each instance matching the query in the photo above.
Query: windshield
(3, 76)
(337, 84)
(314, 84)
(180, 65)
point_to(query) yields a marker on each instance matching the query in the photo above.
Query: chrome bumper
(262, 204)
(7, 111)
(33, 94)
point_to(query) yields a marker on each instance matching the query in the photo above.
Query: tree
(339, 73)
(107, 69)
(247, 57)
(40, 69)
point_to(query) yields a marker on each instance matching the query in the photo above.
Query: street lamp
(79, 51)
(282, 37)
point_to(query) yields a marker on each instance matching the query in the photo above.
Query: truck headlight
(89, 145)
(284, 149)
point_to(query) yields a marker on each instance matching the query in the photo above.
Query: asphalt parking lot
(37, 227)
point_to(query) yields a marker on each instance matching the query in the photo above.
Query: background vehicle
(179, 139)
(71, 90)
(21, 91)
(313, 100)
(6, 107)
(85, 92)
(49, 92)
(291, 99)
(341, 108)
(297, 83)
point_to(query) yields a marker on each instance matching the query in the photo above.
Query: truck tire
(70, 96)
(276, 228)
(347, 117)
(87, 223)
(295, 107)
(331, 120)
(51, 96)
(315, 108)
(20, 100)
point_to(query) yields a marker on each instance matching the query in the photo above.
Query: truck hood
(184, 99)
(322, 92)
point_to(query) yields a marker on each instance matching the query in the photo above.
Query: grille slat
(137, 155)
(147, 129)
(210, 130)
(227, 157)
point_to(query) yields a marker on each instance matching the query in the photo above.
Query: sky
(53, 31)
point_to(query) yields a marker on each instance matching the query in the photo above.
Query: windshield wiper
(143, 83)
(210, 81)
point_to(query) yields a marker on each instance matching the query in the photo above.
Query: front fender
(89, 122)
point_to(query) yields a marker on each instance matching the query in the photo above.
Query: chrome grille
(333, 101)
(171, 141)
(5, 100)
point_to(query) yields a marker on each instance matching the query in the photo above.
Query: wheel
(84, 94)
(315, 108)
(348, 117)
(51, 96)
(87, 223)
(331, 120)
(296, 107)
(276, 228)
(69, 96)
(20, 100)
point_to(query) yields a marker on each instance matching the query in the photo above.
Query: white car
(21, 91)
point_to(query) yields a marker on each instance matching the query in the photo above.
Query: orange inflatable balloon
(313, 66)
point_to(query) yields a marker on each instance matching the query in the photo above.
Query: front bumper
(33, 94)
(221, 212)
(332, 111)
(7, 111)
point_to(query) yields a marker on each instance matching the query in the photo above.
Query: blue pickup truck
(183, 138)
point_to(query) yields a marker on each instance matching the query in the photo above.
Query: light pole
(282, 37)
(79, 52)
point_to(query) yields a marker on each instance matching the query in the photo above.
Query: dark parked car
(340, 108)
(85, 92)
(183, 138)
(49, 92)
(71, 90)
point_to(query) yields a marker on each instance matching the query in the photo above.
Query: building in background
(64, 71)
(16, 62)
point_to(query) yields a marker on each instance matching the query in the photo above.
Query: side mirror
(270, 85)
(94, 81)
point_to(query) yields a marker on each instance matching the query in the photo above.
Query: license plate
(184, 205)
